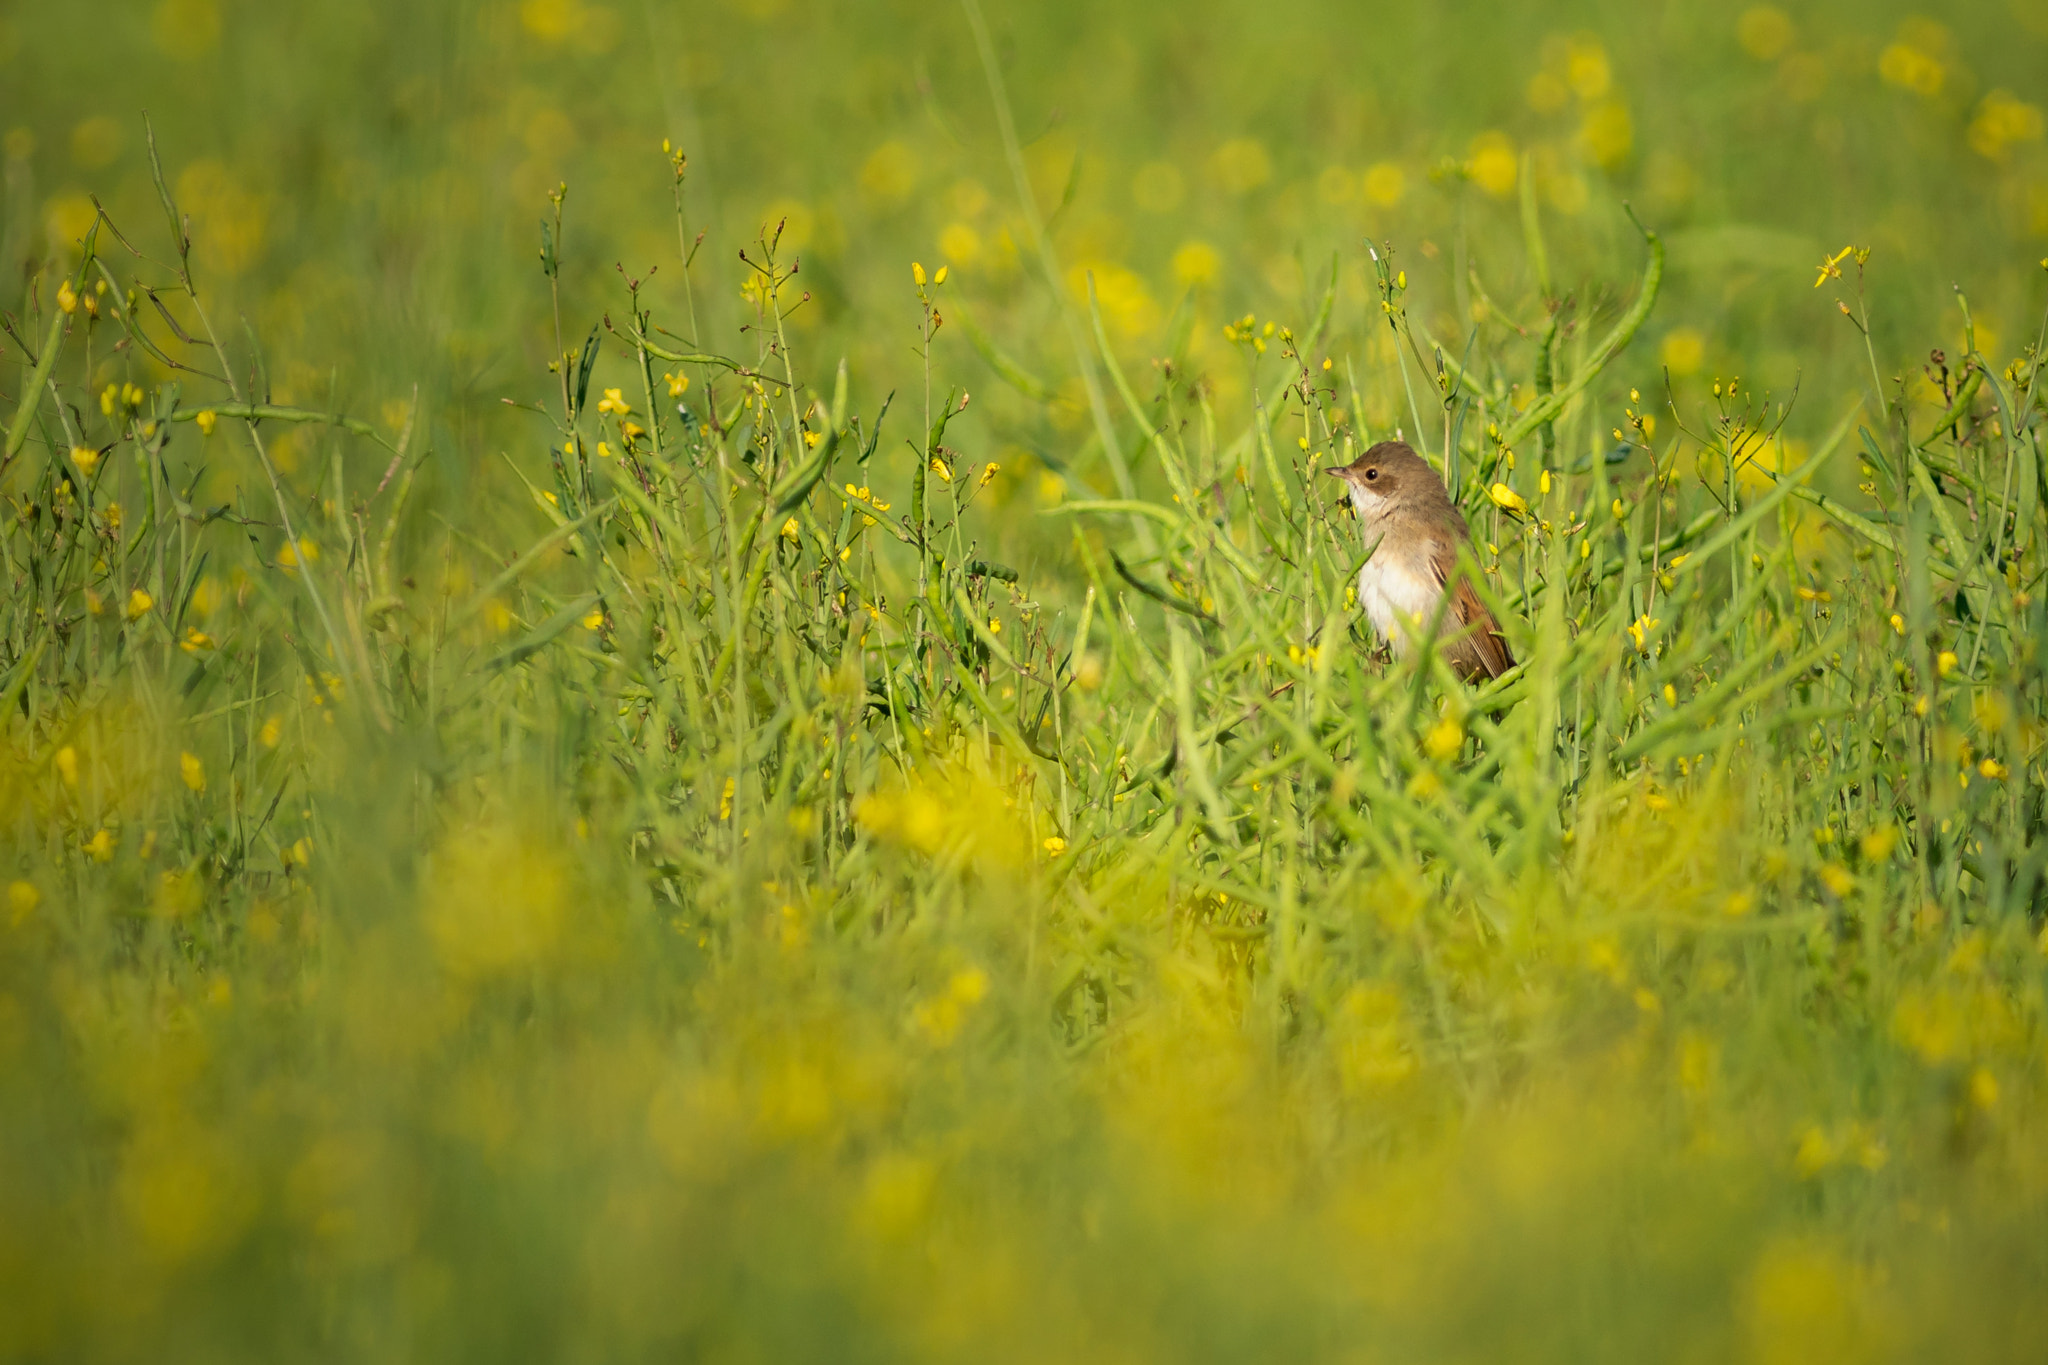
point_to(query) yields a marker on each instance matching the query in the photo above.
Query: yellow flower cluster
(127, 397)
(1246, 331)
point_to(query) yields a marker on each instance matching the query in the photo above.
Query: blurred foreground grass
(744, 854)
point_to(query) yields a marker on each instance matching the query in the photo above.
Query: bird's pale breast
(1398, 597)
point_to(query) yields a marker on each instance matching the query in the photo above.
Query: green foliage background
(641, 868)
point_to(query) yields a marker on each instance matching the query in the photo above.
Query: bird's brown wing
(1475, 646)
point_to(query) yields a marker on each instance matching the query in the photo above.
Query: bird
(1414, 532)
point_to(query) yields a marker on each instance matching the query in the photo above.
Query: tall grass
(726, 910)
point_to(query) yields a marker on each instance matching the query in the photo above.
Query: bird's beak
(1339, 470)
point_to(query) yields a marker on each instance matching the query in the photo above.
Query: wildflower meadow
(677, 682)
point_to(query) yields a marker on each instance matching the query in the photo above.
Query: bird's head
(1387, 472)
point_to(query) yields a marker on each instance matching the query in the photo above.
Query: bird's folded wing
(1477, 628)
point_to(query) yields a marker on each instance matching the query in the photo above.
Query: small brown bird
(1414, 532)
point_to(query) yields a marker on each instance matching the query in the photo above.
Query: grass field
(674, 684)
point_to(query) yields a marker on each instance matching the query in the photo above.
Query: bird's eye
(1372, 473)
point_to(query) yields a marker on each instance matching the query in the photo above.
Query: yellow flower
(205, 420)
(1816, 1152)
(1878, 844)
(305, 552)
(1543, 481)
(2002, 121)
(1198, 263)
(192, 772)
(1445, 739)
(1684, 350)
(939, 276)
(86, 458)
(614, 402)
(1054, 845)
(1992, 769)
(1910, 66)
(195, 641)
(1641, 628)
(1494, 166)
(1507, 499)
(725, 801)
(995, 627)
(988, 473)
(67, 297)
(1838, 879)
(1241, 165)
(632, 431)
(1945, 662)
(1586, 67)
(1831, 268)
(1764, 32)
(790, 530)
(940, 1017)
(101, 845)
(22, 900)
(594, 620)
(1607, 133)
(1898, 624)
(1604, 956)
(138, 603)
(917, 273)
(1620, 512)
(1983, 1088)
(271, 733)
(678, 384)
(67, 765)
(939, 468)
(961, 242)
(1384, 184)
(604, 452)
